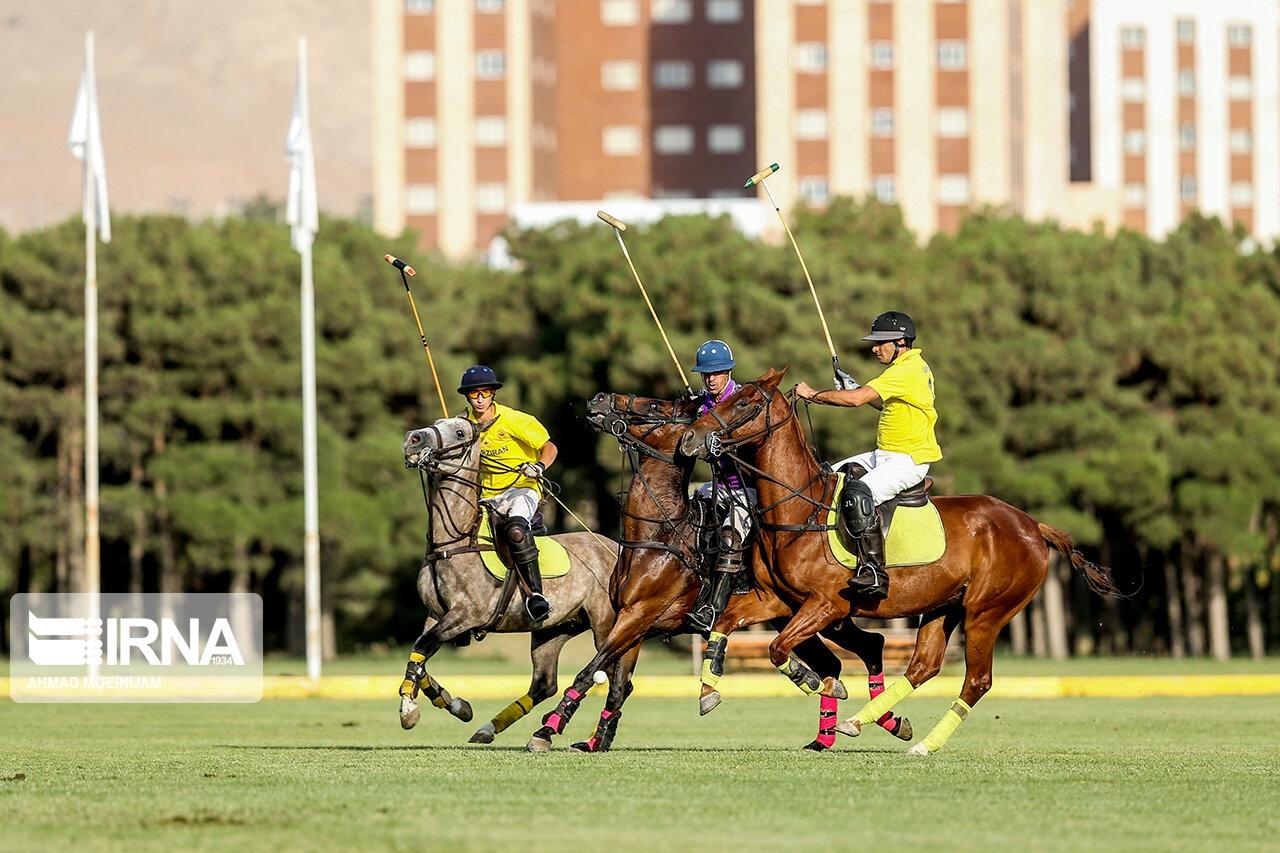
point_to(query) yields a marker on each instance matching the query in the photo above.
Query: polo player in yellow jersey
(905, 440)
(515, 450)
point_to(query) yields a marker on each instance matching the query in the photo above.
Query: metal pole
(92, 543)
(311, 501)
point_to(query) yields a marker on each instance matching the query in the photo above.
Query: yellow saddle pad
(553, 559)
(915, 535)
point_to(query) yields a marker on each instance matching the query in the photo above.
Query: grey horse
(462, 597)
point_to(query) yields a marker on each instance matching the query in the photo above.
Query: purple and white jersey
(721, 469)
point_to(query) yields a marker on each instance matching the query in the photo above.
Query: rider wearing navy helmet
(715, 362)
(515, 450)
(905, 441)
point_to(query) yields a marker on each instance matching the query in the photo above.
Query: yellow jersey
(512, 439)
(908, 417)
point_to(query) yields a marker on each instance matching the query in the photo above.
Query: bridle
(721, 441)
(441, 468)
(618, 422)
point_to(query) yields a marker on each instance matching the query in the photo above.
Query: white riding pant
(516, 503)
(888, 473)
(739, 502)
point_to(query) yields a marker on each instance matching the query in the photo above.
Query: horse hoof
(816, 746)
(918, 750)
(851, 727)
(538, 744)
(904, 731)
(409, 713)
(708, 702)
(484, 734)
(834, 688)
(582, 746)
(461, 709)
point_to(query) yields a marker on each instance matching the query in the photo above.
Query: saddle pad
(915, 535)
(553, 559)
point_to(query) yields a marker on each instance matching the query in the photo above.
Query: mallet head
(760, 176)
(399, 264)
(611, 220)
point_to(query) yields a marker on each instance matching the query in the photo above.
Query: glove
(532, 469)
(845, 382)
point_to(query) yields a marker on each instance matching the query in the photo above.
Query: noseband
(618, 422)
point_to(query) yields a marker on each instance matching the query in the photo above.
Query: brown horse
(996, 559)
(655, 585)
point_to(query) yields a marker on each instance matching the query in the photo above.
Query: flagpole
(311, 500)
(92, 543)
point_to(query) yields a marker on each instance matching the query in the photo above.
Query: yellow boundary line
(485, 687)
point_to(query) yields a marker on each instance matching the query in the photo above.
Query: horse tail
(1098, 577)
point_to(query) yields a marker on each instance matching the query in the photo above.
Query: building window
(1133, 89)
(814, 190)
(419, 65)
(953, 189)
(1186, 31)
(490, 65)
(491, 131)
(488, 5)
(491, 198)
(884, 188)
(1135, 195)
(1241, 140)
(1240, 87)
(1187, 137)
(882, 121)
(1132, 37)
(419, 7)
(620, 140)
(724, 11)
(811, 124)
(1241, 193)
(670, 11)
(420, 199)
(882, 55)
(420, 133)
(673, 74)
(1135, 142)
(619, 13)
(724, 74)
(952, 55)
(725, 139)
(811, 57)
(673, 139)
(1187, 83)
(1239, 35)
(1187, 189)
(953, 122)
(620, 75)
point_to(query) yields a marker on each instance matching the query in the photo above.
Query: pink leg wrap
(573, 694)
(828, 712)
(594, 740)
(875, 686)
(555, 722)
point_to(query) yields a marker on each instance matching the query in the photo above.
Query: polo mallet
(405, 272)
(758, 179)
(618, 227)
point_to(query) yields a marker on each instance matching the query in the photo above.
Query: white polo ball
(599, 677)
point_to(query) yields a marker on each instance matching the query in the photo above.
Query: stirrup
(537, 606)
(704, 618)
(871, 583)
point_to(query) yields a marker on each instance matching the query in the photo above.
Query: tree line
(1121, 388)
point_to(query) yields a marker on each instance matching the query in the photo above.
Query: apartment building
(1184, 110)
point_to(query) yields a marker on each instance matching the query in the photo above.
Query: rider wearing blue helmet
(733, 496)
(515, 450)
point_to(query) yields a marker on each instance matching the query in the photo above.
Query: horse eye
(742, 404)
(459, 432)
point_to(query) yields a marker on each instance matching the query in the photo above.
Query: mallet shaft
(422, 334)
(822, 318)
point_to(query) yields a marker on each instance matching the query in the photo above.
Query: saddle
(553, 559)
(918, 537)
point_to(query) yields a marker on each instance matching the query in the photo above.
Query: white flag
(85, 141)
(302, 215)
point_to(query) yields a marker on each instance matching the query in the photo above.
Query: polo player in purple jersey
(733, 496)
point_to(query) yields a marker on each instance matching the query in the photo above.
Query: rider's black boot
(870, 577)
(704, 617)
(524, 553)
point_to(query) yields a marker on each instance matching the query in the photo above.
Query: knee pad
(520, 540)
(857, 506)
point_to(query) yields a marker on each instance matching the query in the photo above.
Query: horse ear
(767, 377)
(774, 377)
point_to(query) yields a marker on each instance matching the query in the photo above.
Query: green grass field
(1062, 774)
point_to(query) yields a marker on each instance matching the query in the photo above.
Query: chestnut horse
(655, 585)
(995, 561)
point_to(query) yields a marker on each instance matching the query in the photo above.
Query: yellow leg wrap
(877, 707)
(791, 670)
(713, 661)
(437, 694)
(512, 712)
(409, 687)
(947, 726)
(709, 678)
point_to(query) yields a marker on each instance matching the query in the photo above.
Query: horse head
(648, 424)
(443, 448)
(744, 419)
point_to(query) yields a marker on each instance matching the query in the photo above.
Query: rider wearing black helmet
(905, 441)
